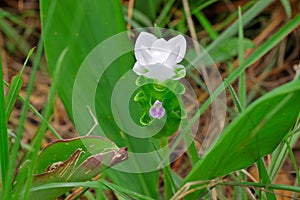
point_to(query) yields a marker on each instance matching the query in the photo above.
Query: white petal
(181, 42)
(171, 60)
(148, 59)
(143, 42)
(160, 50)
(179, 71)
(159, 72)
(139, 69)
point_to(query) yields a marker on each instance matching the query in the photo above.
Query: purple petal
(157, 111)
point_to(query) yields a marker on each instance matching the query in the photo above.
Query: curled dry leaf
(74, 160)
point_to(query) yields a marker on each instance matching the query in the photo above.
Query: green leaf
(83, 158)
(15, 87)
(253, 134)
(89, 144)
(100, 184)
(72, 170)
(264, 178)
(4, 156)
(90, 23)
(12, 95)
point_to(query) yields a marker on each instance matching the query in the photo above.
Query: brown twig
(129, 13)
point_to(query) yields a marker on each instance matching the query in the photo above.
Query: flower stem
(167, 173)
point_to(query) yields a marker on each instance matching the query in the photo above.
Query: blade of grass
(12, 18)
(117, 188)
(257, 54)
(241, 192)
(133, 23)
(287, 7)
(229, 32)
(169, 184)
(14, 153)
(164, 13)
(202, 6)
(192, 150)
(264, 179)
(231, 18)
(16, 146)
(100, 184)
(235, 97)
(15, 88)
(12, 33)
(279, 155)
(248, 16)
(261, 185)
(242, 78)
(294, 162)
(242, 83)
(18, 21)
(89, 195)
(138, 16)
(24, 111)
(4, 153)
(37, 113)
(206, 25)
(36, 144)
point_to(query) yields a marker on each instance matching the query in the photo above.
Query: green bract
(169, 94)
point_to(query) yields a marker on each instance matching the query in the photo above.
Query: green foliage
(80, 31)
(17, 42)
(149, 8)
(15, 88)
(167, 93)
(4, 156)
(253, 134)
(287, 7)
(89, 145)
(69, 37)
(83, 158)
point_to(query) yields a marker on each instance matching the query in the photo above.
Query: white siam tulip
(158, 59)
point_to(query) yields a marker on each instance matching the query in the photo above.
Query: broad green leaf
(253, 134)
(82, 159)
(88, 144)
(73, 170)
(90, 23)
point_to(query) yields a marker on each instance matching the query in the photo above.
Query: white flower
(158, 58)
